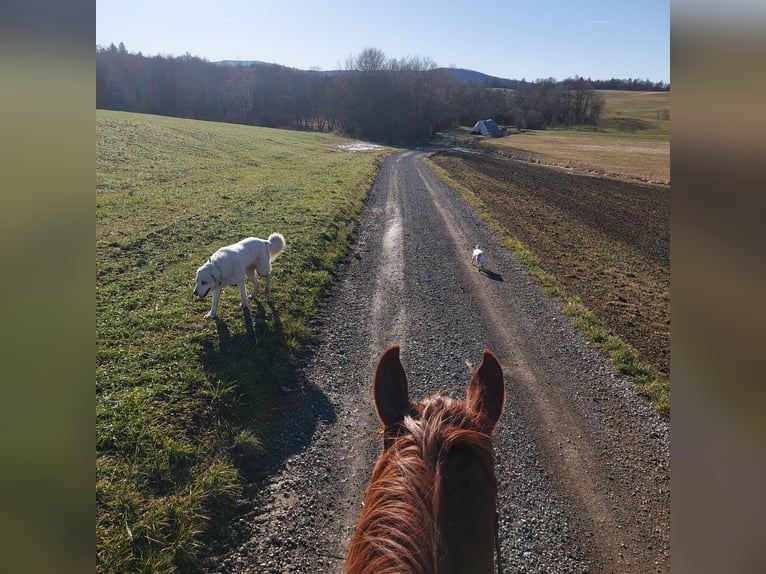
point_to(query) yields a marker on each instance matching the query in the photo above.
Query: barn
(487, 128)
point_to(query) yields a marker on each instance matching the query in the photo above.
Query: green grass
(182, 402)
(635, 113)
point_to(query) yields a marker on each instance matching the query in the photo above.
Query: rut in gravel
(582, 462)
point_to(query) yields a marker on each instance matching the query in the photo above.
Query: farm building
(487, 128)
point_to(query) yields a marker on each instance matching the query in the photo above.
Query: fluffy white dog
(231, 264)
(477, 257)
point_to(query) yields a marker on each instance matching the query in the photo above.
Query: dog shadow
(492, 275)
(272, 397)
(227, 342)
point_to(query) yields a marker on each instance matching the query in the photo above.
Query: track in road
(582, 463)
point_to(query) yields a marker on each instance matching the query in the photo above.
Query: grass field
(602, 154)
(182, 402)
(636, 112)
(630, 142)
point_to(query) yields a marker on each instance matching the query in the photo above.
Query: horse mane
(397, 530)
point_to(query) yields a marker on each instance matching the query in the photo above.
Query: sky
(532, 39)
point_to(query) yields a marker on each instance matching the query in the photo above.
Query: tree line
(397, 101)
(631, 84)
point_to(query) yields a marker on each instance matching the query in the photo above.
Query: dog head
(208, 276)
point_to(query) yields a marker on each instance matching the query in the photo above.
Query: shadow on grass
(273, 402)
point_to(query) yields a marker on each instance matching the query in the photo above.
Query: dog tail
(276, 245)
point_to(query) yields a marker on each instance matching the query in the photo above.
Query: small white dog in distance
(231, 264)
(477, 257)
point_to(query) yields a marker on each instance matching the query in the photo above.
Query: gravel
(582, 461)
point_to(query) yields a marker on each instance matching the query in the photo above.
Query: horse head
(430, 504)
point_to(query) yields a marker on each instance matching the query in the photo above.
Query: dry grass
(632, 141)
(603, 154)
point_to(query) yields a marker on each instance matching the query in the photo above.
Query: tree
(370, 60)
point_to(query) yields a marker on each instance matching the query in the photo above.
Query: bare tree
(370, 60)
(595, 106)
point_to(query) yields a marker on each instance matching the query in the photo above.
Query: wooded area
(388, 100)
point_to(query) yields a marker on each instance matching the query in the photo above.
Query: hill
(244, 63)
(460, 74)
(183, 404)
(480, 79)
(629, 111)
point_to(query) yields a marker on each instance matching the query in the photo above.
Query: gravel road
(582, 462)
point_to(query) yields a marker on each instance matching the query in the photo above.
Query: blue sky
(532, 39)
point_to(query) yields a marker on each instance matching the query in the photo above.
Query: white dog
(231, 264)
(477, 258)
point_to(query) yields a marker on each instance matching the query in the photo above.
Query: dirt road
(582, 462)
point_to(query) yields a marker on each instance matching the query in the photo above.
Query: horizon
(263, 63)
(594, 39)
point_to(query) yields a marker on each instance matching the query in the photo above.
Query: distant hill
(480, 79)
(460, 74)
(242, 63)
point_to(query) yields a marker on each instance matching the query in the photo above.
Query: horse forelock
(397, 529)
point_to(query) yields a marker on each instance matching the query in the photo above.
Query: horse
(429, 507)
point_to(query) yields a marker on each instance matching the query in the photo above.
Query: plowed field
(607, 240)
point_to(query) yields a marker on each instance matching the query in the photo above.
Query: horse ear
(389, 388)
(486, 389)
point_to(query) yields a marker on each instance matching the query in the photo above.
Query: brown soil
(607, 240)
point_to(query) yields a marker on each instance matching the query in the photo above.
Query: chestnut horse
(430, 504)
